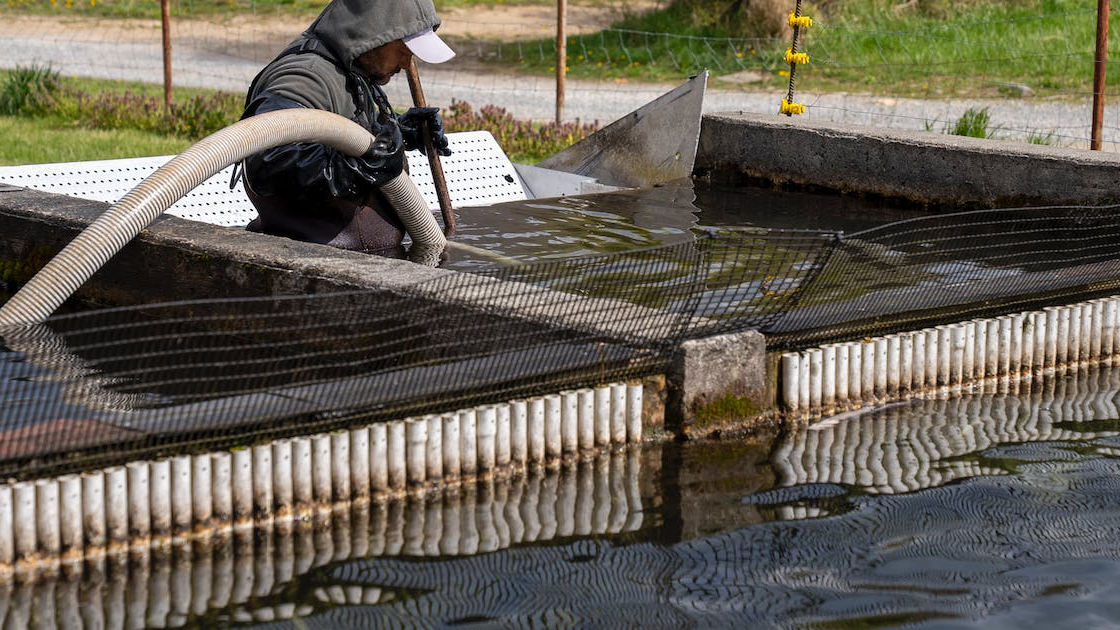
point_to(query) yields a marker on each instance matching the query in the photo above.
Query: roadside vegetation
(100, 119)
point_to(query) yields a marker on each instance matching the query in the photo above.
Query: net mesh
(115, 384)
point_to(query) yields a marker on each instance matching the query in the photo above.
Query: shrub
(974, 123)
(29, 90)
(523, 140)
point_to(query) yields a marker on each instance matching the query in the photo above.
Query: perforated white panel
(478, 173)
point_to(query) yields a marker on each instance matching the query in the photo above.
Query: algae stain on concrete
(727, 408)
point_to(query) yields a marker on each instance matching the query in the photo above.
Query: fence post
(166, 22)
(562, 56)
(1098, 73)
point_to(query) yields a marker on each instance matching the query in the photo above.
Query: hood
(352, 27)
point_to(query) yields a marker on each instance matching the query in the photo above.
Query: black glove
(412, 124)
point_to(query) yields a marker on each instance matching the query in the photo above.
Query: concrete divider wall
(924, 168)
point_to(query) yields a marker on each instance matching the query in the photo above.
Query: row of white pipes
(239, 570)
(148, 502)
(833, 377)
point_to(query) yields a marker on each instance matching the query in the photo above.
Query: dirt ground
(505, 23)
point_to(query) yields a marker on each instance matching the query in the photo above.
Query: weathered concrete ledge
(924, 168)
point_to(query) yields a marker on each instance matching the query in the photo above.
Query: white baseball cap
(429, 47)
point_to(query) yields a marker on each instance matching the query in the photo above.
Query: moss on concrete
(725, 409)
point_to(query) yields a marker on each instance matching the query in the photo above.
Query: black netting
(112, 384)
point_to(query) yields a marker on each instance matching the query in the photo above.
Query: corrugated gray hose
(80, 259)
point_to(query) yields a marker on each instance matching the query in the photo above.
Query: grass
(974, 123)
(45, 108)
(931, 48)
(51, 139)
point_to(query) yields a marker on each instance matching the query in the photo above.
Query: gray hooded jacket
(297, 188)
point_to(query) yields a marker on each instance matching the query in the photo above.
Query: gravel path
(227, 57)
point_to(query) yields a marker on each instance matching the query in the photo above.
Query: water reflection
(993, 508)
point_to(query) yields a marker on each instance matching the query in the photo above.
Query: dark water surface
(994, 509)
(569, 227)
(999, 510)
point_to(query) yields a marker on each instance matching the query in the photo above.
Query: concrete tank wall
(924, 168)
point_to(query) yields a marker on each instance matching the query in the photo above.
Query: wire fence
(1029, 73)
(229, 372)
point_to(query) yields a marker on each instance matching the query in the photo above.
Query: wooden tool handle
(433, 156)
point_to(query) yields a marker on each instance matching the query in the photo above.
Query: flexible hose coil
(110, 232)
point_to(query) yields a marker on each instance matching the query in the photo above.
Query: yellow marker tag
(802, 21)
(791, 108)
(797, 58)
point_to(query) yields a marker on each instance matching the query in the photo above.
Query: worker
(311, 192)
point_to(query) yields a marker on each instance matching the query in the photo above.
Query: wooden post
(562, 56)
(166, 21)
(433, 157)
(1098, 73)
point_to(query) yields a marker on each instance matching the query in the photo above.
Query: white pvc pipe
(945, 354)
(855, 370)
(47, 522)
(69, 516)
(433, 456)
(159, 499)
(569, 422)
(828, 376)
(321, 470)
(262, 482)
(1108, 336)
(303, 492)
(451, 459)
(139, 501)
(602, 416)
(933, 342)
(553, 414)
(359, 464)
(918, 361)
(536, 431)
(181, 487)
(340, 466)
(843, 356)
(968, 366)
(518, 432)
(1041, 339)
(1053, 332)
(905, 362)
(93, 512)
(502, 452)
(816, 382)
(468, 442)
(397, 451)
(24, 521)
(416, 457)
(634, 395)
(241, 473)
(487, 426)
(1096, 329)
(1087, 337)
(791, 382)
(993, 343)
(379, 458)
(221, 472)
(618, 413)
(804, 392)
(283, 491)
(881, 349)
(894, 365)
